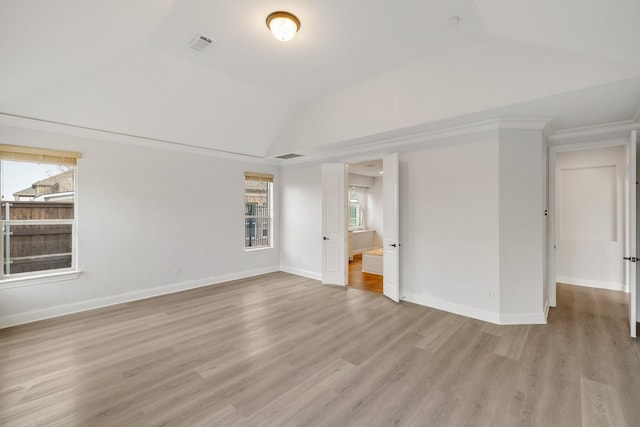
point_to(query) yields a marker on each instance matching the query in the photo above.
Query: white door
(391, 227)
(630, 256)
(334, 224)
(551, 230)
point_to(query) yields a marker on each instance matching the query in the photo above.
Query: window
(355, 214)
(37, 211)
(357, 207)
(258, 210)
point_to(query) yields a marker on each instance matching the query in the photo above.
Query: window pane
(29, 248)
(354, 215)
(257, 211)
(37, 182)
(36, 192)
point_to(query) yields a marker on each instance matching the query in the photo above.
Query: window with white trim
(37, 211)
(258, 210)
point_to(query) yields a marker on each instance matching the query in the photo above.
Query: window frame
(45, 156)
(358, 207)
(260, 177)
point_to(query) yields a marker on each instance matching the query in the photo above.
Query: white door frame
(632, 245)
(391, 226)
(551, 231)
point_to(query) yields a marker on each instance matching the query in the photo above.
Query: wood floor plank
(280, 349)
(439, 330)
(512, 342)
(600, 405)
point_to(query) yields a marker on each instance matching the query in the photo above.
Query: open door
(391, 227)
(630, 246)
(334, 224)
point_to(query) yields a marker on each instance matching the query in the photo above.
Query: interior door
(334, 224)
(630, 256)
(551, 230)
(391, 227)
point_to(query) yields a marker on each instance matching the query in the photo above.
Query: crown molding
(384, 143)
(123, 138)
(603, 131)
(524, 123)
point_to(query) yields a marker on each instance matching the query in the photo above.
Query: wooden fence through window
(37, 247)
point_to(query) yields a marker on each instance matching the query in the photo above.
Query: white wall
(590, 217)
(449, 226)
(143, 211)
(522, 226)
(472, 224)
(301, 220)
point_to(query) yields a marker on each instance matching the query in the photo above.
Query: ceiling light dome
(283, 25)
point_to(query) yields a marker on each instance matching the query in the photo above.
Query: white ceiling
(355, 69)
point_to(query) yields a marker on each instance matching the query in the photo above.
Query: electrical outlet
(177, 271)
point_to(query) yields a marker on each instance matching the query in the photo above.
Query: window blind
(38, 155)
(263, 177)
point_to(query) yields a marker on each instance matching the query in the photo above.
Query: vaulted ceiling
(356, 69)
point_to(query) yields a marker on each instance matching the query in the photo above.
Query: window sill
(258, 249)
(16, 282)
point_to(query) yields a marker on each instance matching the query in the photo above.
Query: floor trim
(62, 310)
(301, 272)
(613, 286)
(463, 310)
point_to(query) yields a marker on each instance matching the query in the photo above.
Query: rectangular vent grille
(289, 156)
(200, 43)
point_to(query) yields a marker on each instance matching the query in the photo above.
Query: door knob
(325, 238)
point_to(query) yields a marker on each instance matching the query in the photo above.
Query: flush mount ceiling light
(283, 25)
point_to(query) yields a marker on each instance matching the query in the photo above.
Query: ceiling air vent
(200, 43)
(288, 156)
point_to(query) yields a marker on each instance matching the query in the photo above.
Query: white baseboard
(523, 318)
(463, 310)
(479, 314)
(614, 286)
(546, 310)
(62, 310)
(300, 272)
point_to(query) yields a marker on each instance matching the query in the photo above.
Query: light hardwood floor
(284, 350)
(363, 281)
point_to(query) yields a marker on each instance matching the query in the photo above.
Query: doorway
(591, 225)
(335, 216)
(364, 199)
(592, 233)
